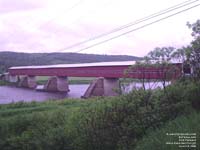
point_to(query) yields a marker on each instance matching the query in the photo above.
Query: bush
(114, 123)
(36, 131)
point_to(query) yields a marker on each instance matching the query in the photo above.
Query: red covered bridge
(108, 71)
(105, 69)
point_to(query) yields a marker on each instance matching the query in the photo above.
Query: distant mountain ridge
(9, 59)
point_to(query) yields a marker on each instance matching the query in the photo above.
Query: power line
(75, 5)
(148, 17)
(71, 8)
(157, 14)
(104, 41)
(178, 6)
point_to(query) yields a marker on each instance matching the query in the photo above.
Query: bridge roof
(99, 64)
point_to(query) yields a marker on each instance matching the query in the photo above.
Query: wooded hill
(9, 59)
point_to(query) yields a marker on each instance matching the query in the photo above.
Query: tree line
(9, 59)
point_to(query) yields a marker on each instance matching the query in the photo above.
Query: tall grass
(157, 140)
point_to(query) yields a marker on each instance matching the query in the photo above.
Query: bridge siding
(97, 71)
(73, 72)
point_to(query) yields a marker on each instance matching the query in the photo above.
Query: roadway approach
(107, 74)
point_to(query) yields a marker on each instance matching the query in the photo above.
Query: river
(9, 94)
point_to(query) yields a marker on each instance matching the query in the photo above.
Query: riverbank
(41, 80)
(4, 83)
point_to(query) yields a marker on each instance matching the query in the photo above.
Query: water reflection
(147, 85)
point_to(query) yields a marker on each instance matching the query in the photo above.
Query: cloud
(49, 25)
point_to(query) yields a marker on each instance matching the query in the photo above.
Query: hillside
(8, 59)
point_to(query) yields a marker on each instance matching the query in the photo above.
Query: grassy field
(41, 80)
(2, 83)
(72, 80)
(86, 80)
(22, 108)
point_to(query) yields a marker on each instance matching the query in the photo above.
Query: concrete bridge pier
(13, 78)
(111, 87)
(57, 84)
(28, 82)
(103, 87)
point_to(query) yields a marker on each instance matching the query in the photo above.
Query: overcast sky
(50, 26)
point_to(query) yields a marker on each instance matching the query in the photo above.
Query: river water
(9, 94)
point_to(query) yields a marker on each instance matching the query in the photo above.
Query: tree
(163, 54)
(162, 58)
(144, 70)
(194, 48)
(181, 54)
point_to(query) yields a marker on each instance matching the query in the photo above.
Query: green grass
(72, 80)
(3, 83)
(30, 126)
(20, 108)
(41, 80)
(156, 140)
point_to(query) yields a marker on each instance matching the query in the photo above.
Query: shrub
(114, 123)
